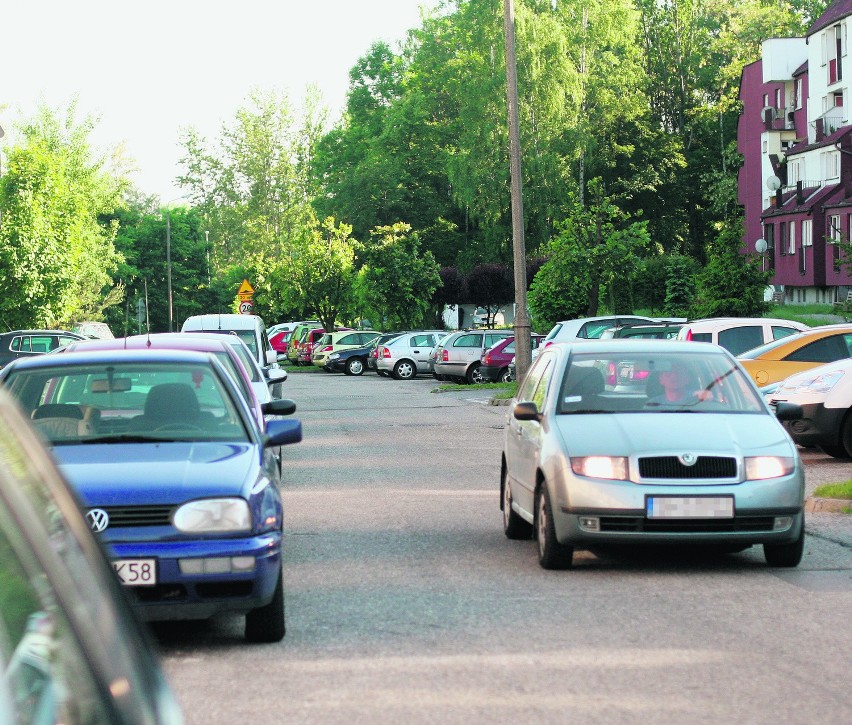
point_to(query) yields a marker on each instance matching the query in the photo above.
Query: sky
(148, 69)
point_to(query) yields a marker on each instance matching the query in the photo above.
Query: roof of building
(838, 10)
(813, 196)
(829, 140)
(801, 69)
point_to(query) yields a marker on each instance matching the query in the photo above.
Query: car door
(420, 346)
(523, 438)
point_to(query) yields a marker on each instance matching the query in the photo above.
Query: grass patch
(500, 387)
(302, 369)
(834, 490)
(808, 314)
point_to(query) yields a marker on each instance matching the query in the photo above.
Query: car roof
(84, 355)
(45, 332)
(224, 321)
(638, 345)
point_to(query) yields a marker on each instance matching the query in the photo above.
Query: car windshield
(128, 402)
(247, 336)
(642, 383)
(249, 363)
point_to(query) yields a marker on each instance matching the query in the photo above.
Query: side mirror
(275, 375)
(526, 411)
(282, 406)
(271, 357)
(282, 433)
(788, 411)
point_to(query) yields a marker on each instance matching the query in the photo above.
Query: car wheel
(505, 375)
(404, 370)
(266, 624)
(354, 366)
(513, 525)
(846, 434)
(551, 554)
(834, 451)
(787, 555)
(474, 375)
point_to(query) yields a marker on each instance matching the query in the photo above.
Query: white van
(250, 329)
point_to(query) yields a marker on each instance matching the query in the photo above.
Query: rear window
(469, 340)
(739, 339)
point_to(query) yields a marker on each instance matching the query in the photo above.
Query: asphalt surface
(405, 601)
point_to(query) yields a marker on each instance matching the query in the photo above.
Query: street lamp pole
(523, 351)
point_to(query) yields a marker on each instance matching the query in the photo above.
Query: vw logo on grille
(688, 459)
(98, 519)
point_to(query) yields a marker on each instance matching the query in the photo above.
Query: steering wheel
(178, 427)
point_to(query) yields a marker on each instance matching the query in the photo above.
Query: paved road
(406, 602)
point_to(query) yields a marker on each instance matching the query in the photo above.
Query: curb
(827, 505)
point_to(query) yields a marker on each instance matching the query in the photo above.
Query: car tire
(551, 554)
(474, 375)
(355, 366)
(846, 434)
(505, 376)
(786, 555)
(266, 624)
(834, 451)
(404, 370)
(513, 525)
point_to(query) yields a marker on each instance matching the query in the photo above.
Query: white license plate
(136, 572)
(690, 507)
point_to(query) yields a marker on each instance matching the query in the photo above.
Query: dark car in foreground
(175, 476)
(648, 442)
(71, 650)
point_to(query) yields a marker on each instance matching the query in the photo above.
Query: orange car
(777, 360)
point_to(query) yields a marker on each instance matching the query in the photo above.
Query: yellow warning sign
(245, 290)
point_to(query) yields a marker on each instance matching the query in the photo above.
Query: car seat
(61, 420)
(169, 403)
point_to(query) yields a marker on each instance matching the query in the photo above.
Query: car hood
(628, 434)
(162, 473)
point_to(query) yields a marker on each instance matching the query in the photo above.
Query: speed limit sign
(246, 307)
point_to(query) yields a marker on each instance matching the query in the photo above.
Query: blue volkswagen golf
(174, 474)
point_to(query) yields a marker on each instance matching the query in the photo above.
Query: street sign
(245, 289)
(246, 307)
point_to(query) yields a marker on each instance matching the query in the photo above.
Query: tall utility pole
(523, 351)
(169, 265)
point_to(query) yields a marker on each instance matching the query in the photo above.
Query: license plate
(136, 572)
(690, 507)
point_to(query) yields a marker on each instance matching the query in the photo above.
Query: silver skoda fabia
(648, 441)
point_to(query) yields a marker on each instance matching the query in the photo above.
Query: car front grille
(634, 524)
(666, 467)
(124, 516)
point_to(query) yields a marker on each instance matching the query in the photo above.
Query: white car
(738, 334)
(408, 354)
(825, 396)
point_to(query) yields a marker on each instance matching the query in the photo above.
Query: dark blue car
(174, 473)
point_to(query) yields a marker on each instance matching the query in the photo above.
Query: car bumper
(458, 370)
(178, 595)
(490, 372)
(769, 511)
(818, 426)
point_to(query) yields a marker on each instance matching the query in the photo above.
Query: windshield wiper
(123, 438)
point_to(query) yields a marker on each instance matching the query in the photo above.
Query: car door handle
(417, 351)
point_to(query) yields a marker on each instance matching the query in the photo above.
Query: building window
(791, 241)
(799, 91)
(830, 164)
(803, 252)
(782, 239)
(838, 100)
(778, 98)
(807, 233)
(839, 49)
(769, 236)
(765, 100)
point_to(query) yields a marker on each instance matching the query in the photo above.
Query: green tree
(323, 273)
(398, 281)
(731, 284)
(56, 256)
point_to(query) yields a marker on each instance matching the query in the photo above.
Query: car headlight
(212, 515)
(811, 383)
(759, 468)
(334, 356)
(611, 467)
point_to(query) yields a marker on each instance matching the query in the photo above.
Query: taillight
(445, 356)
(611, 378)
(327, 348)
(689, 334)
(548, 343)
(487, 359)
(384, 352)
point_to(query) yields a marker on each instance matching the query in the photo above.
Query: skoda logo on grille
(98, 519)
(688, 459)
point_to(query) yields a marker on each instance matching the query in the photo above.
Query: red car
(306, 349)
(495, 360)
(280, 341)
